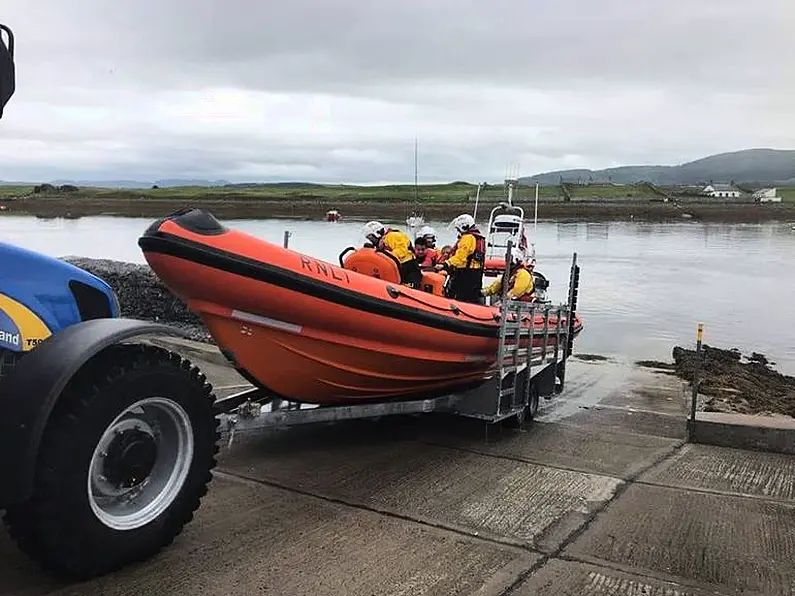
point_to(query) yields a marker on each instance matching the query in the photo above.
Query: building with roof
(766, 195)
(722, 191)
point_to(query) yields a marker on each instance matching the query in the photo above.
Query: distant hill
(755, 167)
(165, 183)
(750, 167)
(190, 182)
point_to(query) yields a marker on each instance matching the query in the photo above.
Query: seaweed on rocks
(143, 296)
(655, 364)
(747, 385)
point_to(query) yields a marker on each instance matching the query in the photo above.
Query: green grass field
(609, 192)
(787, 194)
(456, 192)
(14, 191)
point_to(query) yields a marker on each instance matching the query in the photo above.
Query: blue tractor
(107, 442)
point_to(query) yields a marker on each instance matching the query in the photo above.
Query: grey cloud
(549, 84)
(315, 44)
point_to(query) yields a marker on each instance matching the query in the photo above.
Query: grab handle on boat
(345, 252)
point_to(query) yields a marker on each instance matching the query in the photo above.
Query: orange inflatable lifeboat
(315, 332)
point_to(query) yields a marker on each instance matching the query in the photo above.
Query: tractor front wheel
(126, 457)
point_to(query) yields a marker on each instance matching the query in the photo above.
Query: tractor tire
(125, 459)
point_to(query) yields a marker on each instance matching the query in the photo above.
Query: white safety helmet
(373, 231)
(426, 232)
(463, 223)
(517, 258)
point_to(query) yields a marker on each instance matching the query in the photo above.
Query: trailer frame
(511, 389)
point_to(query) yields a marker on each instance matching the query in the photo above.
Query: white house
(766, 195)
(723, 191)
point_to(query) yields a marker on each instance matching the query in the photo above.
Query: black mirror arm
(7, 74)
(10, 43)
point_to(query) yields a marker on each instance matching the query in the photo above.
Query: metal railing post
(530, 340)
(504, 312)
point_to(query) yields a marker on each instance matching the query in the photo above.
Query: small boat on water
(332, 215)
(315, 332)
(414, 222)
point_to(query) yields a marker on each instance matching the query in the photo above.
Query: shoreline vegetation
(730, 382)
(733, 382)
(591, 202)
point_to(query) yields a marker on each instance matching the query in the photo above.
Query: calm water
(643, 286)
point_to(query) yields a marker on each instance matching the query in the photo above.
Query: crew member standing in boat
(521, 285)
(399, 246)
(465, 265)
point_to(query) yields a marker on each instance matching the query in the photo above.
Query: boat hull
(314, 332)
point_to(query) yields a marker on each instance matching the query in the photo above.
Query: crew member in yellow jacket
(399, 246)
(521, 285)
(465, 264)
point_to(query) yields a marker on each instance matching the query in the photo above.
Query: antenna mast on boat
(535, 226)
(512, 186)
(477, 198)
(415, 218)
(511, 182)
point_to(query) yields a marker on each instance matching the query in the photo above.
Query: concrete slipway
(600, 496)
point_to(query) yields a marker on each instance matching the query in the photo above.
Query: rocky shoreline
(732, 382)
(143, 296)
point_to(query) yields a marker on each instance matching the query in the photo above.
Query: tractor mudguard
(30, 391)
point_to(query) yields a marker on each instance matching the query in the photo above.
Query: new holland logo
(9, 338)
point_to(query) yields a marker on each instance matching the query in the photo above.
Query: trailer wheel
(125, 459)
(532, 404)
(529, 411)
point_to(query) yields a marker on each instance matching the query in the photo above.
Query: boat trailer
(530, 364)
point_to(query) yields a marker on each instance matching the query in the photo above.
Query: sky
(337, 91)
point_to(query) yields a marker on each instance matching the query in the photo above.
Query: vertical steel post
(276, 403)
(504, 311)
(696, 371)
(571, 310)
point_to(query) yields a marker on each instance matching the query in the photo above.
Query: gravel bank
(143, 296)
